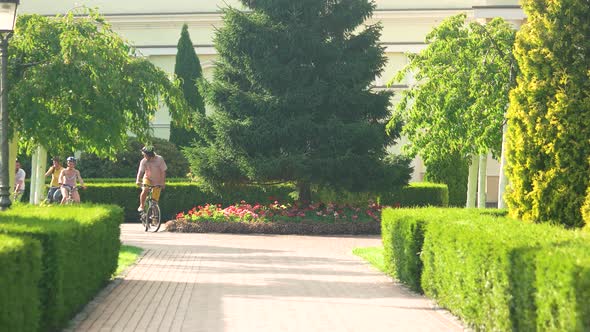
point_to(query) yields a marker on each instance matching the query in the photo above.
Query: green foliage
(126, 161)
(403, 237)
(549, 115)
(496, 273)
(80, 245)
(293, 99)
(414, 194)
(563, 292)
(20, 259)
(78, 86)
(417, 194)
(586, 210)
(188, 70)
(463, 78)
(181, 196)
(450, 171)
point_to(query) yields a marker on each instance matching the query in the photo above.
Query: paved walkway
(223, 282)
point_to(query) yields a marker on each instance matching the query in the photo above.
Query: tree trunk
(304, 189)
(502, 181)
(38, 175)
(12, 152)
(472, 181)
(481, 188)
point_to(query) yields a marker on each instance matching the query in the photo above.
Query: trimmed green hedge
(80, 250)
(412, 195)
(179, 196)
(494, 272)
(20, 259)
(417, 194)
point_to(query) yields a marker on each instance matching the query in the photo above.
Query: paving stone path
(226, 283)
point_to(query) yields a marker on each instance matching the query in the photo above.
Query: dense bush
(586, 210)
(127, 162)
(80, 247)
(181, 196)
(301, 228)
(414, 194)
(402, 237)
(495, 273)
(417, 194)
(549, 114)
(20, 259)
(452, 172)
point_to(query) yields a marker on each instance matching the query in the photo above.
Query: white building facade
(153, 27)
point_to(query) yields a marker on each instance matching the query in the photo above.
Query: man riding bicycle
(153, 169)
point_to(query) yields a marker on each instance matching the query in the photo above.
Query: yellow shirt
(55, 176)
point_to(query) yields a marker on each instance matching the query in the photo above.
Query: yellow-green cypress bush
(549, 114)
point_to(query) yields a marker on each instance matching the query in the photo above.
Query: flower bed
(276, 218)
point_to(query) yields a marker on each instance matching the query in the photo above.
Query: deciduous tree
(457, 106)
(77, 85)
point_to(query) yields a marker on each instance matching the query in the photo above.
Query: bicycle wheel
(143, 218)
(153, 218)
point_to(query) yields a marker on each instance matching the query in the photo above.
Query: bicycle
(150, 216)
(69, 198)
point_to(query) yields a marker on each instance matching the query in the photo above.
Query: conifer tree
(549, 115)
(293, 99)
(188, 69)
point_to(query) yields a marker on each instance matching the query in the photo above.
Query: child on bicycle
(68, 179)
(153, 168)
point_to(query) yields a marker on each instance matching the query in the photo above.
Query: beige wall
(154, 27)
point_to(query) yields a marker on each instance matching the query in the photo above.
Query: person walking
(19, 181)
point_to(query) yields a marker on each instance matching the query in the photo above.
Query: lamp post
(7, 19)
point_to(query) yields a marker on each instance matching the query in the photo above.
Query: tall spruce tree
(188, 69)
(293, 99)
(549, 114)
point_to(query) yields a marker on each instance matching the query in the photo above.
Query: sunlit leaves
(549, 115)
(77, 85)
(463, 78)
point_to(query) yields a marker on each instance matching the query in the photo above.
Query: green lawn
(127, 256)
(373, 255)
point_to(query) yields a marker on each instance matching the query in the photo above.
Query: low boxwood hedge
(300, 228)
(80, 247)
(180, 196)
(494, 272)
(413, 195)
(417, 194)
(20, 259)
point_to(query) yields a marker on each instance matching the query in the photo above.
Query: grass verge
(127, 256)
(373, 255)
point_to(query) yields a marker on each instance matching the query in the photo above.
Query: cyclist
(54, 194)
(153, 169)
(68, 178)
